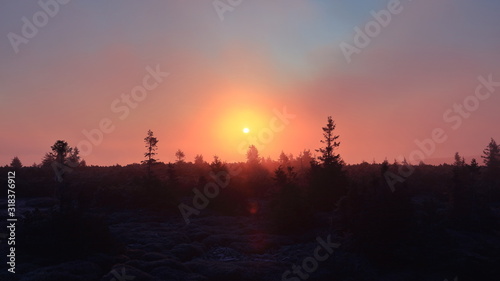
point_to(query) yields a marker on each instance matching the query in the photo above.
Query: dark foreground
(151, 245)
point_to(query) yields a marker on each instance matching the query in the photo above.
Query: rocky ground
(211, 247)
(164, 247)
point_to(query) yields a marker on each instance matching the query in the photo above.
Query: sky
(100, 74)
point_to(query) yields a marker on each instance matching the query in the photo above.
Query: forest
(305, 217)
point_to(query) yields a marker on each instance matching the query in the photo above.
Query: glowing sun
(246, 130)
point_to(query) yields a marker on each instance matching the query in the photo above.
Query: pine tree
(74, 158)
(492, 155)
(328, 156)
(61, 150)
(459, 161)
(180, 156)
(284, 159)
(57, 159)
(491, 159)
(16, 163)
(474, 166)
(198, 160)
(151, 147)
(305, 158)
(253, 155)
(328, 181)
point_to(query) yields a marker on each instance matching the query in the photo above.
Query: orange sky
(230, 74)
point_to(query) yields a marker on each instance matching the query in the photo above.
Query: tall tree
(305, 158)
(491, 159)
(180, 156)
(491, 155)
(284, 160)
(59, 159)
(151, 147)
(253, 155)
(68, 156)
(61, 150)
(328, 156)
(459, 161)
(16, 163)
(328, 180)
(198, 160)
(74, 156)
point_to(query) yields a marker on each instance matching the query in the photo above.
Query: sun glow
(246, 130)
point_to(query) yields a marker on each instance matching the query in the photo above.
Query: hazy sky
(233, 69)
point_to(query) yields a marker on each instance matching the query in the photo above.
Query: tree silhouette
(253, 155)
(474, 166)
(58, 159)
(284, 177)
(284, 160)
(61, 150)
(48, 159)
(180, 156)
(459, 161)
(328, 156)
(74, 158)
(151, 147)
(288, 210)
(305, 158)
(217, 165)
(491, 155)
(256, 175)
(198, 160)
(328, 181)
(491, 158)
(16, 163)
(464, 192)
(280, 177)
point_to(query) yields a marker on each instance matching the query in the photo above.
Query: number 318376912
(11, 193)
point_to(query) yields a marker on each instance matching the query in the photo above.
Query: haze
(227, 75)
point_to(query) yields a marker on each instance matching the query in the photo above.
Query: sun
(246, 130)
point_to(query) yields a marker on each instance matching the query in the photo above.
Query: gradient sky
(230, 74)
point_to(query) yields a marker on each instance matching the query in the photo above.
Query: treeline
(430, 213)
(320, 181)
